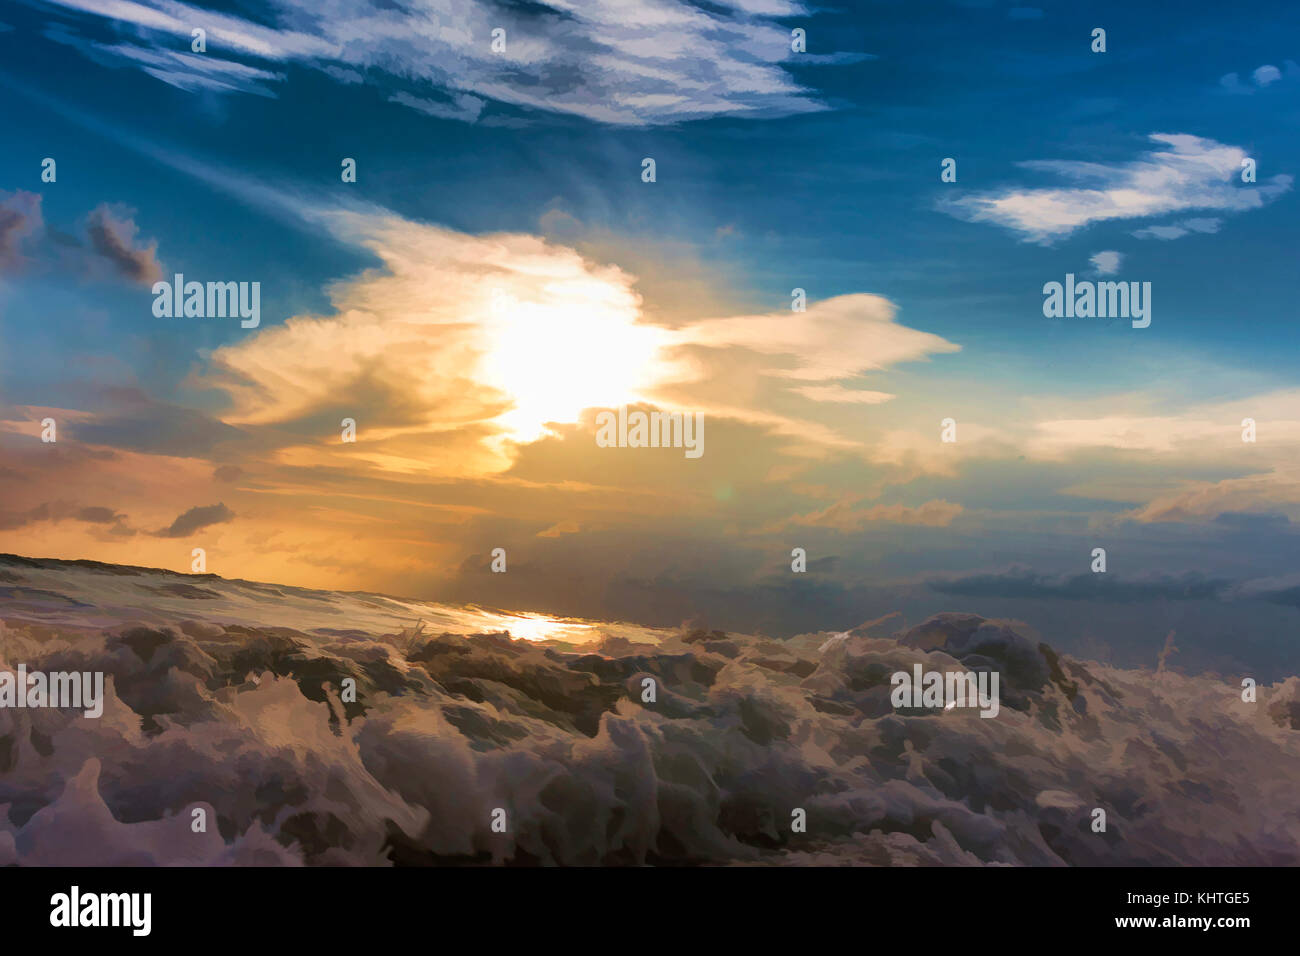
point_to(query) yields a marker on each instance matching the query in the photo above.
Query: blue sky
(774, 170)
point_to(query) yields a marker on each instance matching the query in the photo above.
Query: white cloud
(1271, 493)
(1177, 230)
(484, 340)
(1197, 438)
(499, 334)
(196, 71)
(1107, 263)
(1232, 83)
(1267, 74)
(658, 62)
(1190, 173)
(462, 106)
(835, 339)
(1262, 76)
(840, 394)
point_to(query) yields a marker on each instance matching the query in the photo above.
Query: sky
(501, 271)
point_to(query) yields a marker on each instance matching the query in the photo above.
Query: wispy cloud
(844, 515)
(834, 339)
(669, 60)
(1189, 173)
(1177, 230)
(193, 72)
(1197, 439)
(1022, 582)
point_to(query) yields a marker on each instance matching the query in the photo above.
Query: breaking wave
(248, 723)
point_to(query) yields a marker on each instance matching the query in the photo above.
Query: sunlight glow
(581, 349)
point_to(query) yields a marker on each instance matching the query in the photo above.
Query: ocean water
(480, 737)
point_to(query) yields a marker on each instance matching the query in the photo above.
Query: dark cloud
(227, 473)
(1021, 582)
(135, 422)
(1253, 523)
(113, 238)
(11, 520)
(196, 519)
(59, 511)
(20, 217)
(1284, 591)
(1288, 597)
(96, 515)
(108, 248)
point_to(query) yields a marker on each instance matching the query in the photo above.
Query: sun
(578, 349)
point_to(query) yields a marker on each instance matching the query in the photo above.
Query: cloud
(1283, 590)
(1232, 83)
(562, 528)
(98, 515)
(1204, 432)
(196, 519)
(675, 60)
(1202, 501)
(1179, 229)
(108, 248)
(227, 473)
(1266, 74)
(844, 516)
(127, 418)
(343, 75)
(461, 345)
(461, 106)
(1190, 173)
(838, 393)
(1022, 582)
(20, 217)
(60, 511)
(465, 340)
(1262, 77)
(11, 520)
(833, 339)
(1172, 448)
(113, 238)
(1106, 263)
(472, 365)
(195, 72)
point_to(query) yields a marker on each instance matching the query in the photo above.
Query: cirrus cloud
(674, 60)
(1188, 172)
